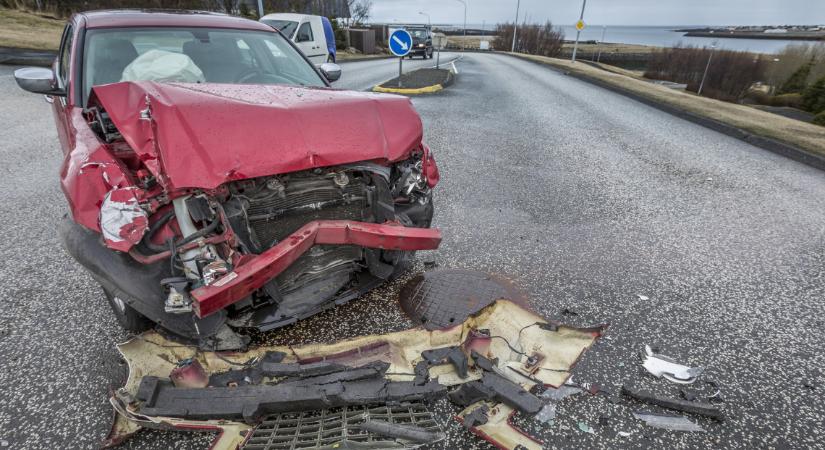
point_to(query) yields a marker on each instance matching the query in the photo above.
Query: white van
(307, 32)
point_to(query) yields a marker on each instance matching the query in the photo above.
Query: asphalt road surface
(679, 237)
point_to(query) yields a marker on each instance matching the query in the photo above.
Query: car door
(310, 39)
(62, 69)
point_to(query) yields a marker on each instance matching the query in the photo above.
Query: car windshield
(287, 27)
(193, 55)
(417, 32)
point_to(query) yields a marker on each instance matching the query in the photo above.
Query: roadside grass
(26, 30)
(806, 136)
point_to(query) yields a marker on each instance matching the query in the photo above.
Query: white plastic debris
(643, 297)
(664, 366)
(624, 434)
(675, 423)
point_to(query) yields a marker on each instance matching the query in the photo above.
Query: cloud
(607, 12)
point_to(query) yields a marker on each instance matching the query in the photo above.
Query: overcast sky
(608, 12)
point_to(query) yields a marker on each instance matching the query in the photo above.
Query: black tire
(127, 316)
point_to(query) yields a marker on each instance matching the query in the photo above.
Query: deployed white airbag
(160, 65)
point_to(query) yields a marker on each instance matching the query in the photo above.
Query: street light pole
(515, 26)
(604, 30)
(464, 41)
(702, 84)
(428, 18)
(578, 31)
(260, 8)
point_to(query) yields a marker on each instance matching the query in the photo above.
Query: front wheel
(128, 317)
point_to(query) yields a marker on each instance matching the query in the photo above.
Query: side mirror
(38, 80)
(331, 71)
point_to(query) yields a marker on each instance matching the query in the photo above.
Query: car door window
(65, 55)
(305, 33)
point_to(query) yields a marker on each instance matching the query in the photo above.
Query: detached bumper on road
(258, 270)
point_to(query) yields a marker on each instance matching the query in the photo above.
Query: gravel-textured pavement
(679, 237)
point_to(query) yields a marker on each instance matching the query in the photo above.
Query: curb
(425, 90)
(373, 58)
(26, 57)
(772, 145)
(417, 91)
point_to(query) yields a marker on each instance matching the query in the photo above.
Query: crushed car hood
(204, 135)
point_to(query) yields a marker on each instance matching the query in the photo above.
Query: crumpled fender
(122, 221)
(93, 180)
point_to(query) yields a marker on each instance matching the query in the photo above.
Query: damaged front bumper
(241, 409)
(258, 270)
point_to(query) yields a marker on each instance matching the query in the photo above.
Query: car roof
(285, 16)
(124, 18)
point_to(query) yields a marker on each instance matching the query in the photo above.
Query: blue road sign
(400, 42)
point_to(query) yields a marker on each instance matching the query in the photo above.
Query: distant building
(775, 31)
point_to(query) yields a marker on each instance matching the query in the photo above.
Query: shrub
(819, 119)
(730, 75)
(789, 100)
(813, 99)
(798, 80)
(786, 100)
(543, 40)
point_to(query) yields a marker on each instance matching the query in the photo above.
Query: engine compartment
(197, 238)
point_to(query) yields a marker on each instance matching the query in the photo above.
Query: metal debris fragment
(702, 409)
(675, 423)
(402, 431)
(559, 394)
(547, 413)
(664, 366)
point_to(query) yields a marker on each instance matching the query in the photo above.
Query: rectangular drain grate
(328, 427)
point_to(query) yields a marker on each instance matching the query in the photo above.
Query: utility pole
(515, 26)
(702, 84)
(464, 41)
(260, 8)
(604, 30)
(578, 31)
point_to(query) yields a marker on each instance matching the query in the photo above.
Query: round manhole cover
(443, 298)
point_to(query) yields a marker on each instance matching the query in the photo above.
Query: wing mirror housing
(331, 71)
(38, 80)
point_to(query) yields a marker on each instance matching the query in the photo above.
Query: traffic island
(421, 81)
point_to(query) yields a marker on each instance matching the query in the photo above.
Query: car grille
(273, 218)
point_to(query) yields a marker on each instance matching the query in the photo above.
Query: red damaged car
(217, 183)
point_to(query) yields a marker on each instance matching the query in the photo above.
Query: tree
(813, 98)
(544, 40)
(360, 11)
(798, 80)
(339, 33)
(819, 119)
